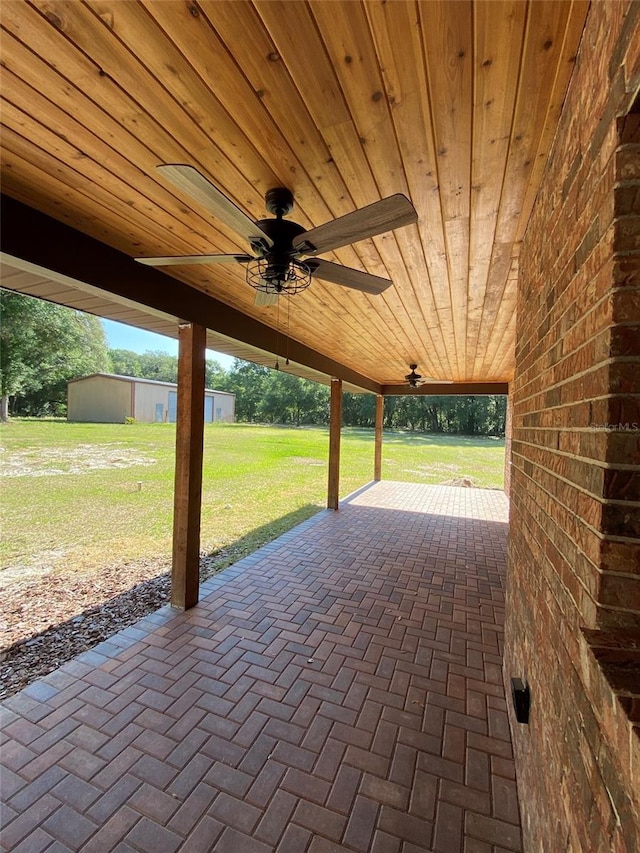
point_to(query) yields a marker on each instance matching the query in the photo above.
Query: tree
(289, 399)
(358, 409)
(248, 381)
(125, 362)
(215, 376)
(158, 365)
(42, 347)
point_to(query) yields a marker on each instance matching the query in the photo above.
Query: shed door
(159, 412)
(173, 407)
(208, 409)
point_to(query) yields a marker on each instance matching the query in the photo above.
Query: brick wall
(508, 438)
(573, 606)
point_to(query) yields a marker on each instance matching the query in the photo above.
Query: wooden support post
(377, 464)
(335, 424)
(185, 570)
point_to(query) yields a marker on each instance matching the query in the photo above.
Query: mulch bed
(48, 620)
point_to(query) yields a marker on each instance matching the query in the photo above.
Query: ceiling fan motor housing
(413, 378)
(282, 232)
(279, 201)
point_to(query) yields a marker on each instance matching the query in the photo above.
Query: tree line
(43, 346)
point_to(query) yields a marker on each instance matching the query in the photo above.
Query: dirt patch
(37, 567)
(49, 461)
(466, 482)
(433, 469)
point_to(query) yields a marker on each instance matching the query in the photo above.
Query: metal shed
(108, 398)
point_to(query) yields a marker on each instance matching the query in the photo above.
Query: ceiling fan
(278, 245)
(415, 380)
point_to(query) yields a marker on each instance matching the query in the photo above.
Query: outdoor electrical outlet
(521, 699)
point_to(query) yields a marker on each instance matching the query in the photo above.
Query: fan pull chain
(277, 364)
(288, 326)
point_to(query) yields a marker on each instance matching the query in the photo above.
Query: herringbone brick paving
(339, 690)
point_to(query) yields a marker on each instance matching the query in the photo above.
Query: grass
(60, 510)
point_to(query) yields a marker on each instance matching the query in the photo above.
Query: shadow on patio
(340, 689)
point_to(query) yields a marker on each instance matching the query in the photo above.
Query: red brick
(191, 809)
(112, 832)
(69, 827)
(405, 826)
(505, 800)
(477, 770)
(235, 812)
(22, 796)
(153, 803)
(232, 841)
(29, 820)
(265, 783)
(276, 817)
(466, 797)
(362, 822)
(76, 792)
(382, 791)
(383, 843)
(447, 835)
(294, 840)
(36, 842)
(306, 786)
(343, 789)
(454, 744)
(229, 779)
(55, 755)
(493, 831)
(203, 837)
(424, 794)
(319, 820)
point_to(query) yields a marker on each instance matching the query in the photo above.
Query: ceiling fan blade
(176, 260)
(385, 215)
(348, 277)
(192, 182)
(263, 300)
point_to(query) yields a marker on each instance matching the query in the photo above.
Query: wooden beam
(465, 389)
(377, 464)
(335, 424)
(185, 570)
(69, 252)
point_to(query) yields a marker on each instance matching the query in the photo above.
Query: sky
(121, 336)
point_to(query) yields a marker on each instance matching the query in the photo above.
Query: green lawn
(83, 494)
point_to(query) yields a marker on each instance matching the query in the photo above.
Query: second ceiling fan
(283, 259)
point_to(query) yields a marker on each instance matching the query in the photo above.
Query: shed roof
(141, 380)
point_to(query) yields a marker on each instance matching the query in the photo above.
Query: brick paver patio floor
(339, 690)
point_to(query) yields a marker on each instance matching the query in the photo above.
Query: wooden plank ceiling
(452, 103)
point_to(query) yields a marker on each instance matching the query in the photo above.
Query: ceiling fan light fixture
(271, 276)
